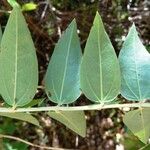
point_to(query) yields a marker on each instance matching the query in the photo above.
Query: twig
(44, 11)
(29, 143)
(4, 11)
(76, 108)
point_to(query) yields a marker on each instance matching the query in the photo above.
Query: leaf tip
(73, 23)
(98, 18)
(97, 13)
(133, 28)
(74, 20)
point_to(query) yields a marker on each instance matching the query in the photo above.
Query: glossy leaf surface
(18, 62)
(100, 73)
(135, 68)
(138, 121)
(74, 120)
(62, 77)
(21, 116)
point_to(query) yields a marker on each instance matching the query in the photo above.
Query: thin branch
(75, 108)
(4, 11)
(29, 143)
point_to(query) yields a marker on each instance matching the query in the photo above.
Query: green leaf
(21, 116)
(146, 147)
(131, 142)
(74, 120)
(138, 121)
(7, 126)
(62, 77)
(15, 145)
(1, 144)
(0, 33)
(100, 73)
(18, 62)
(29, 6)
(13, 3)
(35, 102)
(8, 146)
(135, 68)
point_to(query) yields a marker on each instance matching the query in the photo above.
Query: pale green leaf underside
(0, 33)
(100, 74)
(74, 120)
(18, 62)
(62, 77)
(138, 121)
(13, 3)
(21, 116)
(135, 68)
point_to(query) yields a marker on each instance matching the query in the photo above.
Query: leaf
(135, 68)
(100, 74)
(131, 142)
(35, 102)
(138, 121)
(0, 33)
(29, 6)
(15, 145)
(18, 62)
(146, 147)
(62, 77)
(7, 126)
(74, 120)
(1, 144)
(21, 116)
(13, 3)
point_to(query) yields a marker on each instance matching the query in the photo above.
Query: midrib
(143, 122)
(136, 69)
(16, 57)
(65, 69)
(100, 66)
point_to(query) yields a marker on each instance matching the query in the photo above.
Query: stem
(29, 143)
(4, 11)
(75, 108)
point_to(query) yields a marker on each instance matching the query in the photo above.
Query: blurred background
(105, 129)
